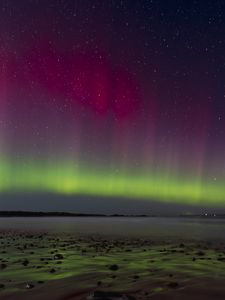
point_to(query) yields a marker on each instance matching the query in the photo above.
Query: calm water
(144, 227)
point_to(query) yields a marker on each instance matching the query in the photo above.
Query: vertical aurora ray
(3, 100)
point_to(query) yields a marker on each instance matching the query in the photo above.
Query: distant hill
(58, 214)
(72, 214)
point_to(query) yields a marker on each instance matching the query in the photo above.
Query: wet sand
(60, 267)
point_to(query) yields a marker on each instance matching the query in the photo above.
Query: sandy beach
(60, 267)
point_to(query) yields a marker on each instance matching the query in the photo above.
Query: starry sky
(119, 102)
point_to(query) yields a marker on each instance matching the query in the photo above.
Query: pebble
(114, 267)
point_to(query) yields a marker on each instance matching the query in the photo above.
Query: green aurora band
(65, 179)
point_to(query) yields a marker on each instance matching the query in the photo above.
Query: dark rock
(52, 270)
(103, 295)
(25, 262)
(106, 295)
(220, 258)
(29, 286)
(2, 286)
(3, 266)
(200, 253)
(173, 285)
(58, 256)
(114, 267)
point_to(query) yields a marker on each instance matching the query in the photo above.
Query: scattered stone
(200, 253)
(114, 267)
(220, 258)
(173, 285)
(109, 295)
(58, 256)
(25, 262)
(29, 286)
(52, 270)
(3, 266)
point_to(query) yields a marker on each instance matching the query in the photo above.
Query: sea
(146, 227)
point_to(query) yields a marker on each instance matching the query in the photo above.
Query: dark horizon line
(22, 213)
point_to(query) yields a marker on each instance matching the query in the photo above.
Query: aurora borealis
(113, 98)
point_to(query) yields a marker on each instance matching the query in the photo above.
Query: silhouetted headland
(58, 214)
(73, 214)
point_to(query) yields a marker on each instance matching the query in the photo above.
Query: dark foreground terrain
(59, 267)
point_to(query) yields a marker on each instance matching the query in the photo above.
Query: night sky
(119, 102)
